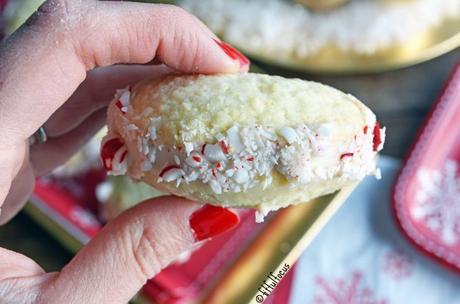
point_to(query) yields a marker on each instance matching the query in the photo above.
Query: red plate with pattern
(427, 191)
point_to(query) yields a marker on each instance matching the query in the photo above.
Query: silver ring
(39, 136)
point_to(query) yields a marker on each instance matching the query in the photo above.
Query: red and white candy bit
(365, 129)
(346, 155)
(113, 156)
(224, 146)
(124, 99)
(219, 166)
(194, 160)
(377, 141)
(119, 105)
(171, 173)
(108, 151)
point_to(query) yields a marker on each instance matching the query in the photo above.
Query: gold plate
(437, 41)
(281, 242)
(331, 60)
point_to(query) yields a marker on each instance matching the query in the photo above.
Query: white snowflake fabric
(361, 256)
(437, 203)
(345, 291)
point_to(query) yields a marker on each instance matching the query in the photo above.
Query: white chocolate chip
(267, 134)
(241, 176)
(145, 146)
(229, 172)
(153, 132)
(132, 127)
(214, 153)
(215, 186)
(289, 134)
(152, 156)
(188, 147)
(125, 98)
(234, 139)
(146, 165)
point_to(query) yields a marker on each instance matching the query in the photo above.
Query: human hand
(43, 68)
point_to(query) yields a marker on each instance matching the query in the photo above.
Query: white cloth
(361, 257)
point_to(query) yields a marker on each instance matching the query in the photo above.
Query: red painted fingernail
(233, 53)
(210, 221)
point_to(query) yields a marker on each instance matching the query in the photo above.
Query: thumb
(165, 33)
(64, 39)
(135, 247)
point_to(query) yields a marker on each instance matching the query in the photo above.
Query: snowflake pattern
(437, 203)
(398, 264)
(345, 291)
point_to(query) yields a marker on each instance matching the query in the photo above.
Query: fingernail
(210, 221)
(233, 53)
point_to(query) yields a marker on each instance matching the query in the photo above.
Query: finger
(13, 264)
(46, 60)
(20, 278)
(56, 151)
(21, 188)
(135, 247)
(96, 92)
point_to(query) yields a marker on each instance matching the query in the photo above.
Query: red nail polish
(233, 53)
(210, 221)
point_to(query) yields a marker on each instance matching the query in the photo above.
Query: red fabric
(61, 201)
(181, 281)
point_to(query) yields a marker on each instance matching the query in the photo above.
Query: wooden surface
(400, 98)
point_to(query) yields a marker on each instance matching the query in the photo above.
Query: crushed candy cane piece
(171, 173)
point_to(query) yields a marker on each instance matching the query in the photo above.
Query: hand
(43, 67)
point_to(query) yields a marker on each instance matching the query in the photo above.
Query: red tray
(67, 216)
(427, 191)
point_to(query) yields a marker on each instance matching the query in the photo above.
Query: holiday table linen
(361, 257)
